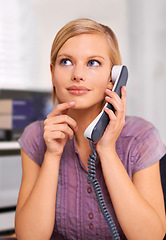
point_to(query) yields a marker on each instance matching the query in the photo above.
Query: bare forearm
(35, 220)
(135, 215)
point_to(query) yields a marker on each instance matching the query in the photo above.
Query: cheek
(103, 80)
(58, 78)
(59, 81)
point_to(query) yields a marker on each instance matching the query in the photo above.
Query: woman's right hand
(58, 127)
(35, 180)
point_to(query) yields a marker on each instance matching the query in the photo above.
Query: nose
(77, 78)
(78, 74)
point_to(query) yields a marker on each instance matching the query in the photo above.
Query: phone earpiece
(115, 72)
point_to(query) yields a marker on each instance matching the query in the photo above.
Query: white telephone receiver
(95, 130)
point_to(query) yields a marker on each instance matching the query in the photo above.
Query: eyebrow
(96, 56)
(64, 55)
(69, 56)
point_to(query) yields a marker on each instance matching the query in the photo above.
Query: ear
(110, 85)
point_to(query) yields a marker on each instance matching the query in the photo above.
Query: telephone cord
(99, 195)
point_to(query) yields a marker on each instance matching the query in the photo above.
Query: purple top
(77, 213)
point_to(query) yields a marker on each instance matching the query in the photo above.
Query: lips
(78, 90)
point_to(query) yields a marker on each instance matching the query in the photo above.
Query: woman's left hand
(117, 120)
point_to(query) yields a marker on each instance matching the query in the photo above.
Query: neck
(83, 118)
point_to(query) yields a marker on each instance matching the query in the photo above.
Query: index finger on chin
(60, 108)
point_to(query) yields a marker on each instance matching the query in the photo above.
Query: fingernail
(107, 98)
(124, 88)
(108, 90)
(106, 109)
(72, 103)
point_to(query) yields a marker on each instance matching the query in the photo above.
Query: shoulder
(32, 141)
(141, 132)
(36, 128)
(143, 142)
(33, 133)
(136, 126)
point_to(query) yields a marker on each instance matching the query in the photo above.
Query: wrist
(107, 152)
(102, 149)
(52, 156)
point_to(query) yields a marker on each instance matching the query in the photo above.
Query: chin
(84, 106)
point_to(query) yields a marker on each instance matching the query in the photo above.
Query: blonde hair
(85, 26)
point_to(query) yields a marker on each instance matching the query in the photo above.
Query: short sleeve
(148, 150)
(32, 141)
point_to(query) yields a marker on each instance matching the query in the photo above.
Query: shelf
(7, 221)
(9, 145)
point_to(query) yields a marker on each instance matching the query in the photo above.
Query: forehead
(86, 44)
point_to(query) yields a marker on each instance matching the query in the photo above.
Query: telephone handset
(93, 133)
(95, 130)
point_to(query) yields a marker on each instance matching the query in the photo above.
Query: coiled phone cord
(99, 195)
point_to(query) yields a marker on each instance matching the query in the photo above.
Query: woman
(55, 198)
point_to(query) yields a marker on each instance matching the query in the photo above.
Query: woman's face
(82, 70)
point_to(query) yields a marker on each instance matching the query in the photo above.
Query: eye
(66, 62)
(94, 63)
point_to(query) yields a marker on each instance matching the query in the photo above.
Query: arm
(35, 214)
(139, 203)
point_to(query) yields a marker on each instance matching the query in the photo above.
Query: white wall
(51, 15)
(17, 44)
(147, 41)
(29, 27)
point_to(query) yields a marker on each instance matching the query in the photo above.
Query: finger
(61, 119)
(113, 95)
(64, 128)
(57, 135)
(118, 103)
(124, 96)
(110, 113)
(60, 108)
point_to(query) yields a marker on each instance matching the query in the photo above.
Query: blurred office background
(28, 27)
